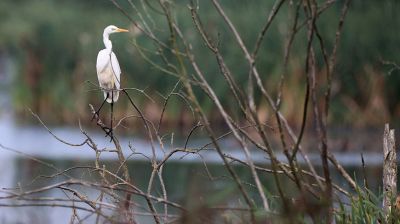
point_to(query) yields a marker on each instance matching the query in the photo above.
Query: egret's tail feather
(111, 96)
(105, 96)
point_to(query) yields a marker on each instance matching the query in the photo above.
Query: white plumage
(107, 66)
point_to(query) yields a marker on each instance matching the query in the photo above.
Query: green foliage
(365, 206)
(64, 37)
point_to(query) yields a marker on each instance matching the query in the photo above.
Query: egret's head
(113, 29)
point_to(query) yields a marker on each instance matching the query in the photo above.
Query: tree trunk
(389, 171)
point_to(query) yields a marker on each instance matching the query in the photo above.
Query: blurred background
(48, 51)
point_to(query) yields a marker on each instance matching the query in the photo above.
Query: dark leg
(112, 108)
(98, 110)
(110, 130)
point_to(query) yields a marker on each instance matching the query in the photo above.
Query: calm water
(185, 177)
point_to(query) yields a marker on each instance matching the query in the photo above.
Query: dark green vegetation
(54, 45)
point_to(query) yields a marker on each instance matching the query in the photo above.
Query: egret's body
(107, 66)
(108, 71)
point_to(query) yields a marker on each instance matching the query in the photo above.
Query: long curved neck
(107, 42)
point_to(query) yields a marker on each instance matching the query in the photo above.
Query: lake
(186, 177)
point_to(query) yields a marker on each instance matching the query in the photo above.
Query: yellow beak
(122, 30)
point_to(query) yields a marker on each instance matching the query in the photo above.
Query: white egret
(108, 70)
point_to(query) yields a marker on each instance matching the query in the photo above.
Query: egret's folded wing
(116, 69)
(102, 60)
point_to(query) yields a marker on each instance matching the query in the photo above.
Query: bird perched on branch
(108, 70)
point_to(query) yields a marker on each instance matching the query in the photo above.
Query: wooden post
(389, 171)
